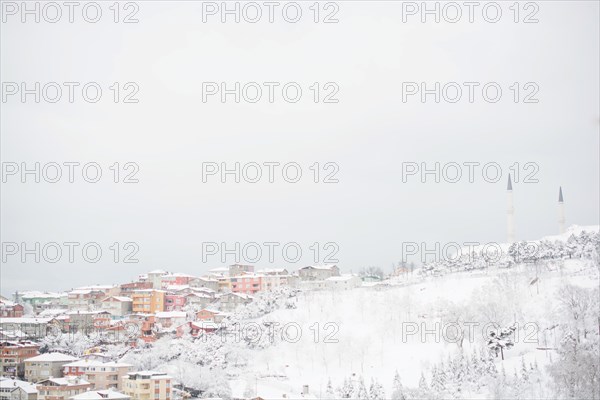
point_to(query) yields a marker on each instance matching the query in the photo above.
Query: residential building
(117, 306)
(147, 385)
(148, 301)
(343, 282)
(203, 282)
(10, 309)
(318, 272)
(102, 375)
(14, 389)
(127, 289)
(198, 300)
(175, 279)
(239, 269)
(47, 365)
(248, 284)
(85, 299)
(30, 328)
(13, 355)
(169, 318)
(174, 302)
(230, 301)
(89, 320)
(42, 300)
(211, 315)
(100, 395)
(155, 277)
(61, 388)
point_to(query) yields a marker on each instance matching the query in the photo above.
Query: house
(169, 318)
(148, 301)
(9, 309)
(101, 374)
(239, 269)
(318, 272)
(203, 282)
(147, 385)
(30, 327)
(13, 355)
(176, 278)
(14, 389)
(230, 301)
(211, 315)
(42, 300)
(85, 299)
(155, 278)
(273, 271)
(195, 328)
(128, 288)
(89, 320)
(117, 306)
(198, 300)
(175, 302)
(61, 388)
(47, 365)
(248, 284)
(343, 282)
(100, 395)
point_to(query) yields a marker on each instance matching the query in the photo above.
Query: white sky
(369, 133)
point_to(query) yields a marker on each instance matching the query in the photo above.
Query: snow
(99, 395)
(7, 384)
(52, 357)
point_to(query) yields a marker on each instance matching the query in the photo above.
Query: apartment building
(230, 301)
(318, 272)
(44, 366)
(117, 306)
(13, 354)
(127, 289)
(149, 301)
(85, 299)
(10, 309)
(61, 388)
(14, 389)
(102, 375)
(147, 385)
(248, 284)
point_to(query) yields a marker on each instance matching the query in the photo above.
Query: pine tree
(524, 372)
(329, 391)
(362, 393)
(376, 390)
(423, 387)
(397, 389)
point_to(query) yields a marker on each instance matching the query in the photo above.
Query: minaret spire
(561, 211)
(510, 213)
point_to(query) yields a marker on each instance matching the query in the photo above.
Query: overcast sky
(369, 133)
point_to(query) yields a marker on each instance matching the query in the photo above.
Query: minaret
(561, 211)
(510, 213)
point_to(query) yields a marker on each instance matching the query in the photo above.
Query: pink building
(248, 284)
(175, 302)
(177, 279)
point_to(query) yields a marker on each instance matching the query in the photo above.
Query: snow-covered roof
(34, 294)
(7, 383)
(96, 363)
(171, 314)
(119, 298)
(25, 320)
(157, 272)
(321, 267)
(341, 278)
(99, 395)
(51, 357)
(153, 374)
(67, 381)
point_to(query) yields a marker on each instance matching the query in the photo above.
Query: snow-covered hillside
(520, 327)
